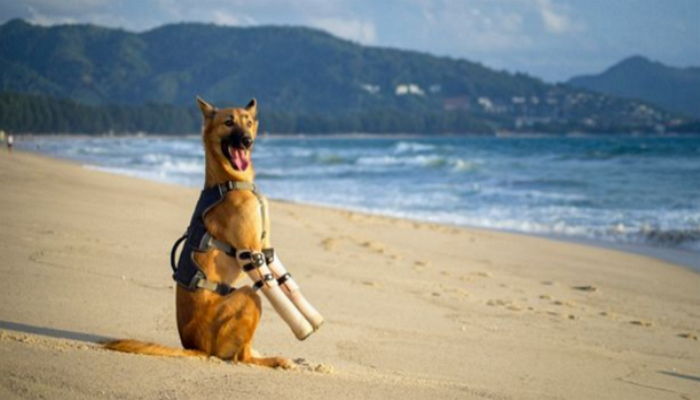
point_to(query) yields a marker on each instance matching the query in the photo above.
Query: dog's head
(229, 135)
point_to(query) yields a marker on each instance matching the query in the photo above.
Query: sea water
(617, 189)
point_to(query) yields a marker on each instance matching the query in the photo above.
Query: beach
(413, 310)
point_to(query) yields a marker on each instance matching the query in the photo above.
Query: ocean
(620, 190)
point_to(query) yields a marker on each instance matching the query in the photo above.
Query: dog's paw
(283, 363)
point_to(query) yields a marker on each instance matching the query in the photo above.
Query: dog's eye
(228, 122)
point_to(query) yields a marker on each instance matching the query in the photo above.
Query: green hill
(676, 89)
(305, 80)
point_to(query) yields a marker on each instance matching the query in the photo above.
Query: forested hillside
(305, 80)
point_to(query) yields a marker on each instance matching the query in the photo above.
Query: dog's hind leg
(274, 362)
(238, 318)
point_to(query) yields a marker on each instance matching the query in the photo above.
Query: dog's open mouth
(239, 158)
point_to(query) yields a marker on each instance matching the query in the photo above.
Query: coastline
(414, 310)
(680, 257)
(642, 232)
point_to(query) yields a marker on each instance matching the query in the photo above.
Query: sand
(413, 310)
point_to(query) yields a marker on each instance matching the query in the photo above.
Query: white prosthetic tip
(279, 301)
(291, 289)
(290, 314)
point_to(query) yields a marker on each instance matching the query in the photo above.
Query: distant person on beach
(10, 141)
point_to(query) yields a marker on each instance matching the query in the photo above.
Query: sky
(550, 39)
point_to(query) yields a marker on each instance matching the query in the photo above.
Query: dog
(209, 323)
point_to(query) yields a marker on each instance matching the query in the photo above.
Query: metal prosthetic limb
(255, 266)
(291, 289)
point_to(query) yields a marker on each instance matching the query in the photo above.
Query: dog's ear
(252, 108)
(207, 109)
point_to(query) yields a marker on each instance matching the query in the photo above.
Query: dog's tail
(151, 349)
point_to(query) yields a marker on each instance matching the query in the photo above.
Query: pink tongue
(238, 158)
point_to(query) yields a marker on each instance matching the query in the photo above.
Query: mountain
(676, 89)
(304, 79)
(293, 68)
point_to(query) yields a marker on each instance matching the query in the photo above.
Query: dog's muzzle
(240, 140)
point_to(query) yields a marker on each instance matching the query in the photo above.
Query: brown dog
(209, 323)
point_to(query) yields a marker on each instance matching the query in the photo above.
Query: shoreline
(413, 310)
(678, 256)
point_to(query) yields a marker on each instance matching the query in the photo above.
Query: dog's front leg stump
(255, 266)
(291, 289)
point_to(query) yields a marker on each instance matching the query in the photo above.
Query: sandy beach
(413, 310)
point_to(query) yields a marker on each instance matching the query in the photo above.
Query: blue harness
(198, 240)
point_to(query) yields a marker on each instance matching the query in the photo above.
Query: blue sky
(551, 39)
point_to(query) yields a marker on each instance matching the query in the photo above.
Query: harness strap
(263, 214)
(209, 241)
(197, 239)
(235, 185)
(201, 282)
(173, 265)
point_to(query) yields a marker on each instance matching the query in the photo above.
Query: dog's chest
(237, 220)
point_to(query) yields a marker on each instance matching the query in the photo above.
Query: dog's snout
(247, 141)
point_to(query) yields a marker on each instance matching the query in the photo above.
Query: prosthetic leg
(254, 264)
(291, 289)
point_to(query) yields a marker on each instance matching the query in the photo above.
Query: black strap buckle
(257, 259)
(269, 255)
(223, 289)
(282, 279)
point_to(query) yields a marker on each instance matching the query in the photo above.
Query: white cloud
(221, 17)
(65, 6)
(556, 22)
(38, 18)
(45, 18)
(474, 26)
(361, 31)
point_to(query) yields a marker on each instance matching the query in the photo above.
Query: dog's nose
(247, 141)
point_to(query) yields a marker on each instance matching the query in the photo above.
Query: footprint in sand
(586, 288)
(329, 244)
(504, 303)
(690, 336)
(453, 292)
(380, 248)
(305, 365)
(377, 247)
(372, 284)
(641, 323)
(420, 265)
(563, 303)
(560, 315)
(608, 314)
